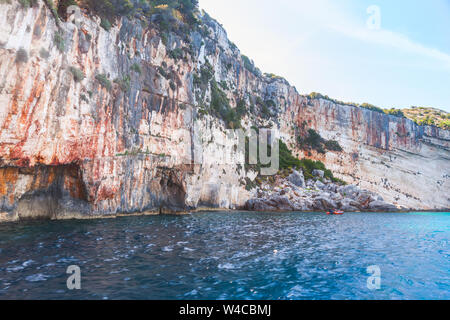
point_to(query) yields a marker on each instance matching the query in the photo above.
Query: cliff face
(73, 145)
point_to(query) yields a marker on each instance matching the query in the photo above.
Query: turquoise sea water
(222, 255)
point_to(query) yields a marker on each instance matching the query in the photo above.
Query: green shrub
(176, 54)
(313, 140)
(105, 24)
(272, 76)
(250, 66)
(52, 8)
(78, 75)
(223, 85)
(371, 107)
(110, 8)
(308, 166)
(316, 95)
(26, 3)
(162, 72)
(136, 68)
(104, 81)
(395, 112)
(58, 39)
(164, 38)
(265, 112)
(220, 107)
(445, 124)
(333, 145)
(171, 16)
(206, 73)
(287, 160)
(241, 108)
(84, 98)
(124, 83)
(270, 103)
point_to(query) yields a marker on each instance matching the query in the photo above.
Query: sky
(392, 54)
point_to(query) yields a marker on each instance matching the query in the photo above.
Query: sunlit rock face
(85, 146)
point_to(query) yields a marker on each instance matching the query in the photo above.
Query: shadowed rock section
(43, 192)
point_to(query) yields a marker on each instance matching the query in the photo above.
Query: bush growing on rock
(333, 145)
(26, 3)
(395, 112)
(287, 161)
(104, 81)
(220, 106)
(371, 107)
(78, 75)
(309, 166)
(109, 8)
(124, 83)
(249, 65)
(136, 68)
(265, 106)
(176, 54)
(105, 24)
(170, 15)
(313, 140)
(58, 40)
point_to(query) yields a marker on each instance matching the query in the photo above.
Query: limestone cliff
(96, 122)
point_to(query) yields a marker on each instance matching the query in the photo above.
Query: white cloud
(393, 39)
(327, 14)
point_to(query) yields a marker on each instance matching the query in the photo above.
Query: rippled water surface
(230, 256)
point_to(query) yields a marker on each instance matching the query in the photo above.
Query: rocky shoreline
(6, 217)
(293, 193)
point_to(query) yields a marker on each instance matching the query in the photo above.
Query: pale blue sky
(326, 46)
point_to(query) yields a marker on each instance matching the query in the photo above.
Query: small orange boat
(337, 212)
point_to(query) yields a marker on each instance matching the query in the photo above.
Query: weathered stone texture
(130, 148)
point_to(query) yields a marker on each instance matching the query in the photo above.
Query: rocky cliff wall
(102, 147)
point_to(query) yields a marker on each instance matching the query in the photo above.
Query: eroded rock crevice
(172, 190)
(43, 192)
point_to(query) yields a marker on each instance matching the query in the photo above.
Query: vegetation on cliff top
(428, 116)
(420, 115)
(393, 111)
(169, 14)
(250, 65)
